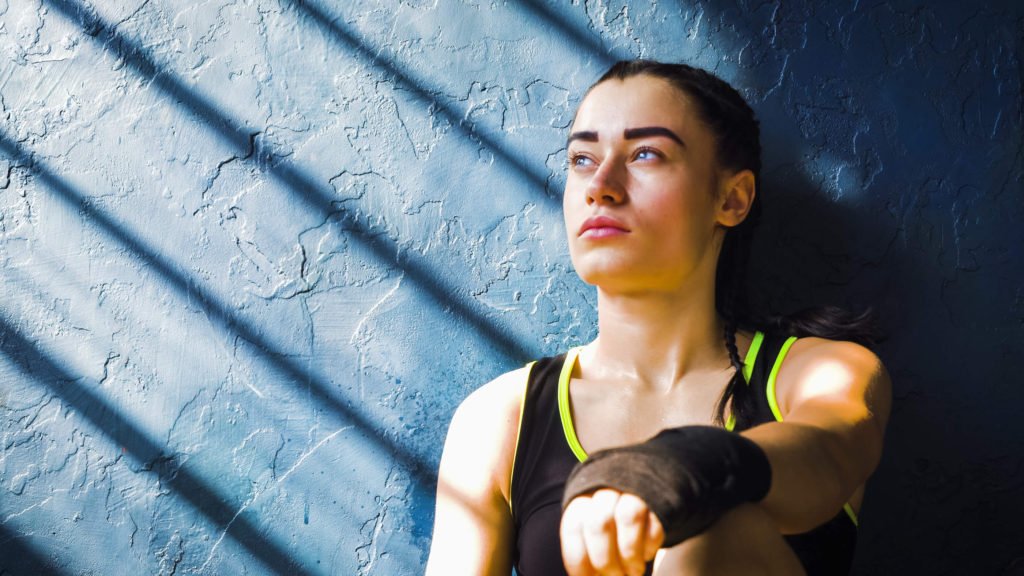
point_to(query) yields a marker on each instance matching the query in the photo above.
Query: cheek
(567, 210)
(686, 221)
(682, 206)
(573, 204)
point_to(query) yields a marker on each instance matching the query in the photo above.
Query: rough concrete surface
(255, 252)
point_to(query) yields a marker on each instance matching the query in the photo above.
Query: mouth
(602, 227)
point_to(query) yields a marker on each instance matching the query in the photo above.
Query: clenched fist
(609, 533)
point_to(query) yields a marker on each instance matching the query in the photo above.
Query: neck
(656, 339)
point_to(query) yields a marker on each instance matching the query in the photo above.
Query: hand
(609, 533)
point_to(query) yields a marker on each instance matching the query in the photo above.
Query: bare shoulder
(492, 407)
(500, 395)
(835, 371)
(813, 353)
(483, 432)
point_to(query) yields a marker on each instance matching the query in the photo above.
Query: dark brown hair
(738, 147)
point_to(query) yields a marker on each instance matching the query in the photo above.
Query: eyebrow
(629, 134)
(586, 136)
(646, 131)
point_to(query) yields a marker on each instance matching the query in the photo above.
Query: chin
(608, 276)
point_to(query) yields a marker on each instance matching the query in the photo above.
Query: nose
(606, 186)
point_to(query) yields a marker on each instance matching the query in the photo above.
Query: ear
(735, 198)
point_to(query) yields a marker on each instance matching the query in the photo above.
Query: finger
(574, 550)
(631, 532)
(599, 533)
(655, 536)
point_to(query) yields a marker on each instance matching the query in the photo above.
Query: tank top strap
(760, 368)
(541, 464)
(538, 422)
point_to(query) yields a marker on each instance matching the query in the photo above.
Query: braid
(732, 389)
(732, 306)
(730, 345)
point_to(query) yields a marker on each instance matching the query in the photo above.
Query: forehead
(615, 105)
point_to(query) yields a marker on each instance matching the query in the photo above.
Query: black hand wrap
(688, 476)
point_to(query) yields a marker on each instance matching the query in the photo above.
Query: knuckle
(601, 519)
(575, 507)
(631, 509)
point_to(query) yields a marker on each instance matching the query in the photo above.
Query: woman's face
(640, 157)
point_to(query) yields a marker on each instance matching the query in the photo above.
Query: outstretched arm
(835, 400)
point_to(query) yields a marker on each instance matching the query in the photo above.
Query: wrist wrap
(688, 476)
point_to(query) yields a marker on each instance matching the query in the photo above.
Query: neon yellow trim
(748, 370)
(775, 372)
(851, 514)
(519, 430)
(748, 362)
(564, 410)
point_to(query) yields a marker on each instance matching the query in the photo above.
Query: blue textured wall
(254, 253)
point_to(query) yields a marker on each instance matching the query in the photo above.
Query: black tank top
(547, 450)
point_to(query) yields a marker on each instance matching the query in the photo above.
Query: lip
(602, 226)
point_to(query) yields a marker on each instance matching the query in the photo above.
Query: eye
(646, 153)
(580, 161)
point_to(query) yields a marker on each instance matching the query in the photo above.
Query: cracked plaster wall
(255, 252)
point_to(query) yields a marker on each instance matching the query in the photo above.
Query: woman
(659, 202)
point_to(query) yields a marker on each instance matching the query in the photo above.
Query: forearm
(835, 398)
(694, 473)
(813, 473)
(688, 476)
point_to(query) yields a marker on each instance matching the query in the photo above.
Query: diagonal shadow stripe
(34, 364)
(21, 557)
(415, 86)
(304, 187)
(217, 311)
(605, 57)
